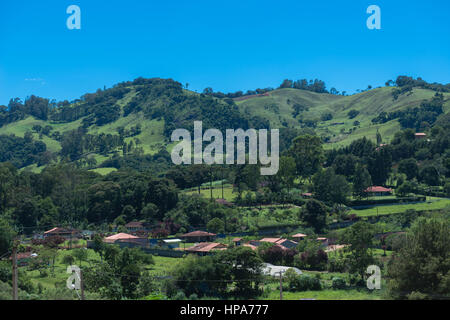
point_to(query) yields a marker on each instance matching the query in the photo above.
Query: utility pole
(81, 284)
(281, 285)
(15, 295)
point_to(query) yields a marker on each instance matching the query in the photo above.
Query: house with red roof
(298, 237)
(61, 232)
(199, 236)
(283, 243)
(378, 191)
(420, 135)
(135, 226)
(120, 237)
(205, 248)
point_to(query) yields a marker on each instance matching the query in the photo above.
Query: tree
(360, 239)
(379, 138)
(409, 167)
(6, 236)
(286, 84)
(216, 225)
(308, 154)
(150, 213)
(98, 245)
(287, 171)
(422, 264)
(244, 266)
(406, 188)
(330, 187)
(80, 254)
(68, 259)
(314, 214)
(352, 114)
(361, 181)
(429, 175)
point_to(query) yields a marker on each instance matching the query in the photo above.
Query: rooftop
(378, 189)
(198, 234)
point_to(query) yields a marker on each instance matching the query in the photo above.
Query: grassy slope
(369, 104)
(277, 108)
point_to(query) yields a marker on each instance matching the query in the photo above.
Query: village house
(288, 244)
(170, 243)
(24, 258)
(420, 135)
(237, 241)
(298, 237)
(198, 236)
(135, 226)
(119, 237)
(378, 191)
(323, 241)
(205, 248)
(61, 232)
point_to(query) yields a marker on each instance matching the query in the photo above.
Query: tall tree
(361, 181)
(308, 154)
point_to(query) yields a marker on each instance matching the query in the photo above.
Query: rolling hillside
(278, 108)
(157, 106)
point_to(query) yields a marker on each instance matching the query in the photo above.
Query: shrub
(304, 283)
(338, 283)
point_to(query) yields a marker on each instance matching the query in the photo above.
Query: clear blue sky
(227, 45)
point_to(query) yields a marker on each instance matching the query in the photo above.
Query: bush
(179, 296)
(336, 265)
(338, 283)
(304, 283)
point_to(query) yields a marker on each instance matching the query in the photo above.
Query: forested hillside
(134, 119)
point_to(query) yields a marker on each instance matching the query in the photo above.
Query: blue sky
(227, 45)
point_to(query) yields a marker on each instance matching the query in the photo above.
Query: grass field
(328, 294)
(431, 204)
(217, 193)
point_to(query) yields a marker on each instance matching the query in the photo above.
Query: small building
(120, 237)
(24, 258)
(251, 246)
(170, 243)
(298, 237)
(135, 226)
(284, 243)
(199, 236)
(274, 271)
(420, 135)
(307, 195)
(378, 191)
(205, 248)
(61, 232)
(323, 241)
(237, 241)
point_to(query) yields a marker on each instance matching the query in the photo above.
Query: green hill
(137, 117)
(279, 108)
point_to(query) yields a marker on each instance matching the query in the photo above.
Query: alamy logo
(374, 21)
(214, 152)
(74, 21)
(374, 280)
(74, 280)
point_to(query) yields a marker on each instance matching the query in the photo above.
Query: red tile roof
(378, 189)
(119, 236)
(299, 235)
(250, 246)
(198, 234)
(207, 247)
(271, 240)
(133, 224)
